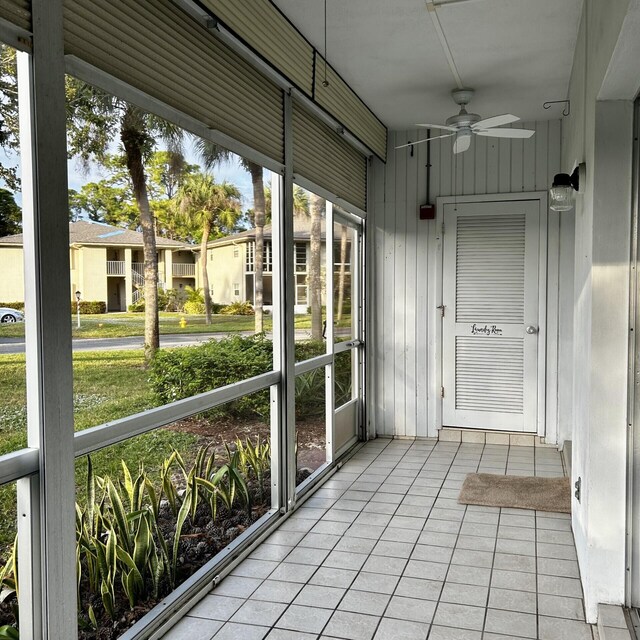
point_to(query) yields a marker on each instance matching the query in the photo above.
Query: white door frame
(548, 312)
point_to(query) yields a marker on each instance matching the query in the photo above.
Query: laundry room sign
(487, 330)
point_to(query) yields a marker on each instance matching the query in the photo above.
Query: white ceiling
(516, 54)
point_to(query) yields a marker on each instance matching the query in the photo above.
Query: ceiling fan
(465, 124)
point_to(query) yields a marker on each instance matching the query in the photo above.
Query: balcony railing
(184, 270)
(115, 267)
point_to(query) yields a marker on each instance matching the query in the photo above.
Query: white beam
(48, 331)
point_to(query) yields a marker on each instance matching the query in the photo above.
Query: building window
(251, 249)
(301, 257)
(236, 253)
(267, 257)
(302, 289)
(236, 289)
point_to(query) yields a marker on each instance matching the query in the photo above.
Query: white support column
(329, 332)
(47, 507)
(128, 277)
(287, 320)
(168, 267)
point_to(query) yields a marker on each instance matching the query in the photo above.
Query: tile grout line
(358, 571)
(418, 537)
(289, 604)
(455, 544)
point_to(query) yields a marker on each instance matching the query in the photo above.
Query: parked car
(10, 315)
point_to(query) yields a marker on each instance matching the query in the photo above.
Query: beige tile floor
(384, 551)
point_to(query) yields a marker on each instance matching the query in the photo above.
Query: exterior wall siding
(93, 273)
(224, 271)
(12, 270)
(403, 257)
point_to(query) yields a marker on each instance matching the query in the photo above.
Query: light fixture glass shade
(561, 198)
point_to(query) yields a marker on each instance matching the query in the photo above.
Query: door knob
(531, 329)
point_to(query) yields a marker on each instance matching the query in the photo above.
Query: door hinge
(442, 392)
(442, 308)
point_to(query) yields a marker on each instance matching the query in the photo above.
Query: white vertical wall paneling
(517, 163)
(504, 169)
(529, 161)
(400, 284)
(553, 292)
(555, 282)
(542, 149)
(481, 164)
(375, 233)
(566, 320)
(493, 165)
(442, 156)
(411, 275)
(386, 310)
(422, 318)
(458, 172)
(406, 290)
(469, 174)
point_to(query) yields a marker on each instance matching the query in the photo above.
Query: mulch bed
(202, 538)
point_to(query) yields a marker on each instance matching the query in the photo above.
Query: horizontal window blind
(322, 156)
(344, 105)
(17, 12)
(159, 49)
(270, 34)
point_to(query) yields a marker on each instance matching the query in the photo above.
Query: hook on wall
(567, 106)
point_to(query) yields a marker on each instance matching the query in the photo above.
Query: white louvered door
(491, 324)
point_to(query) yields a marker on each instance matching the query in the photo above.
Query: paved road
(16, 345)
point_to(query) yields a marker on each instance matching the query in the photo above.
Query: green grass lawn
(121, 325)
(107, 386)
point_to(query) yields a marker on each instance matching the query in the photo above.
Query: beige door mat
(518, 492)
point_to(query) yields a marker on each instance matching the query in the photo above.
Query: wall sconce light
(561, 192)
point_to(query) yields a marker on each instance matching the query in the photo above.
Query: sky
(230, 171)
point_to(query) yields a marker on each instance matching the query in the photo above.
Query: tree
(10, 214)
(94, 120)
(214, 207)
(9, 130)
(315, 281)
(212, 155)
(106, 202)
(342, 275)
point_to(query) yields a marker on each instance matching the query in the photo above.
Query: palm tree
(94, 119)
(342, 276)
(315, 282)
(212, 155)
(213, 207)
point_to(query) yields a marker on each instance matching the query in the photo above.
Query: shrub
(184, 372)
(89, 306)
(168, 300)
(238, 309)
(18, 306)
(193, 307)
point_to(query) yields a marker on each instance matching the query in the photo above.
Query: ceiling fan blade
(495, 121)
(462, 143)
(444, 127)
(410, 144)
(506, 133)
